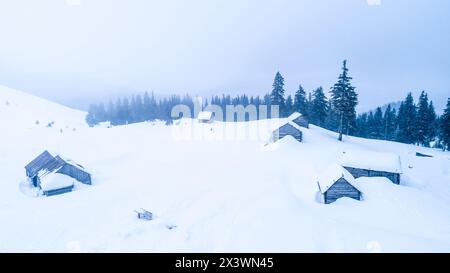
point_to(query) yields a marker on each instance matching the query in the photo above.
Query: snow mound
(53, 181)
(372, 161)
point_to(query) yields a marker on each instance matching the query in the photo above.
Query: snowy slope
(223, 191)
(22, 111)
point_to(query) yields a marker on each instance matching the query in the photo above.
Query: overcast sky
(72, 51)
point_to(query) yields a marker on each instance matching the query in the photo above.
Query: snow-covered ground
(216, 191)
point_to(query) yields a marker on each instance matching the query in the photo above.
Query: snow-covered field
(217, 193)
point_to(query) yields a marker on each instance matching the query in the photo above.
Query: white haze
(84, 50)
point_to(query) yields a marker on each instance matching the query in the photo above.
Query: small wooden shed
(336, 182)
(205, 117)
(372, 164)
(287, 129)
(299, 119)
(51, 173)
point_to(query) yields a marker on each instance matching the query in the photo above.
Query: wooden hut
(336, 182)
(55, 175)
(372, 164)
(205, 117)
(287, 129)
(299, 119)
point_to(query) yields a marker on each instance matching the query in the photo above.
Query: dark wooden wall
(394, 177)
(286, 130)
(302, 121)
(339, 189)
(76, 173)
(58, 191)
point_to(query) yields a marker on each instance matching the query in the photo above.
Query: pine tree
(110, 111)
(319, 107)
(433, 124)
(300, 102)
(117, 119)
(101, 113)
(422, 120)
(361, 125)
(344, 100)
(147, 107)
(133, 115)
(139, 109)
(445, 127)
(289, 105)
(389, 123)
(332, 120)
(277, 94)
(407, 121)
(125, 111)
(370, 126)
(91, 117)
(377, 125)
(309, 105)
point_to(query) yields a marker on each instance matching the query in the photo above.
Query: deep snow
(223, 192)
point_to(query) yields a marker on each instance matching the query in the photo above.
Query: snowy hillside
(23, 112)
(216, 189)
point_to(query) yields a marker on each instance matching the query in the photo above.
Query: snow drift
(209, 193)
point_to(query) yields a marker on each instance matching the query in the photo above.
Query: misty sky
(73, 51)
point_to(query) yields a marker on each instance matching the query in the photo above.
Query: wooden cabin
(336, 182)
(299, 119)
(288, 129)
(372, 164)
(55, 175)
(205, 117)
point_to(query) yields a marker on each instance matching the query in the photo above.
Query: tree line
(411, 123)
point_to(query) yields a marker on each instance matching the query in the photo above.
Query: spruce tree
(101, 113)
(361, 125)
(277, 94)
(309, 105)
(332, 119)
(289, 105)
(133, 115)
(344, 100)
(147, 107)
(319, 107)
(433, 124)
(370, 125)
(91, 117)
(300, 103)
(445, 127)
(377, 124)
(139, 109)
(117, 119)
(422, 120)
(389, 123)
(407, 121)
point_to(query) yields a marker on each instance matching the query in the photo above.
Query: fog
(81, 51)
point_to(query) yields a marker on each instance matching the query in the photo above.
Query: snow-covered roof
(205, 115)
(332, 175)
(294, 116)
(54, 181)
(278, 125)
(376, 161)
(48, 162)
(70, 161)
(45, 161)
